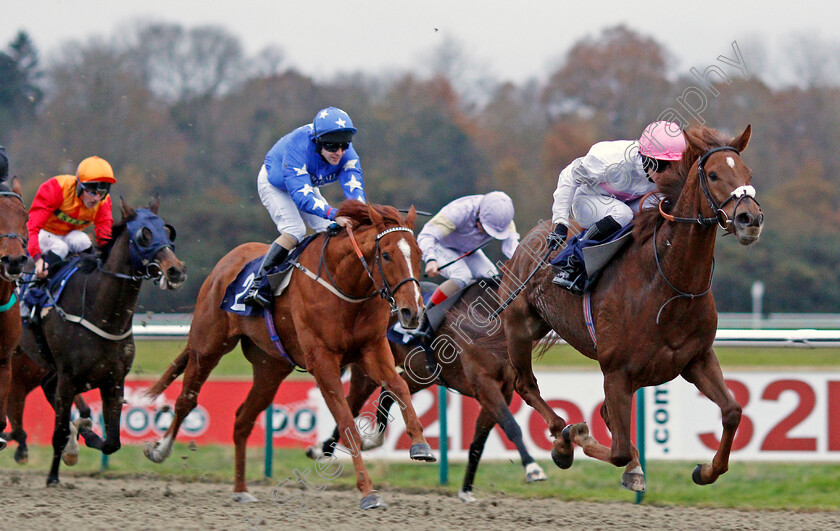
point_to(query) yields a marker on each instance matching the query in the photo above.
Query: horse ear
(127, 210)
(741, 142)
(411, 217)
(694, 140)
(154, 204)
(375, 217)
(16, 188)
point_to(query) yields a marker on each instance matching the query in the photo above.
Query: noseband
(720, 218)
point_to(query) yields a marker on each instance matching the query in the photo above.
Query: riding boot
(601, 230)
(571, 275)
(276, 255)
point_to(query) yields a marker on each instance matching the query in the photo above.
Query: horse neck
(117, 297)
(686, 250)
(346, 268)
(6, 289)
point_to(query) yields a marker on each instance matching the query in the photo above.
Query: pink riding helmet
(662, 141)
(495, 213)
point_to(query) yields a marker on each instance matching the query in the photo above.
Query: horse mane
(358, 212)
(670, 184)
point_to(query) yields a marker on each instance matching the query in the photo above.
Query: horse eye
(386, 256)
(143, 237)
(713, 176)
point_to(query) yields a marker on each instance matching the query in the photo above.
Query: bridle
(720, 218)
(24, 239)
(386, 291)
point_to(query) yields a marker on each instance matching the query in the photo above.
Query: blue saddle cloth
(36, 297)
(236, 290)
(575, 245)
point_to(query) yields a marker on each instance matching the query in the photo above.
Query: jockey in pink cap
(602, 189)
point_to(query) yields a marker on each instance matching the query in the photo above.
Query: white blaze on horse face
(406, 251)
(730, 161)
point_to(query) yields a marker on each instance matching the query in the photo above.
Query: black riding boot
(572, 274)
(276, 255)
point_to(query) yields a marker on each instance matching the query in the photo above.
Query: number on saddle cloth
(236, 290)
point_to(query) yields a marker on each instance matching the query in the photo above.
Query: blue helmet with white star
(332, 125)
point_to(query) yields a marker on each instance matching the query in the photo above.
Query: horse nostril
(745, 219)
(405, 314)
(175, 273)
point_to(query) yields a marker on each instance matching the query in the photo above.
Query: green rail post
(640, 435)
(444, 436)
(104, 465)
(269, 439)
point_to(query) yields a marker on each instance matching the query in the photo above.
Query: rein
(386, 291)
(721, 219)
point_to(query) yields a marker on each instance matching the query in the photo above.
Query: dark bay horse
(322, 328)
(86, 337)
(486, 376)
(13, 257)
(653, 311)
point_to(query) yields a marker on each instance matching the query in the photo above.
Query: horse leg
(618, 403)
(378, 364)
(81, 406)
(268, 373)
(16, 403)
(198, 369)
(633, 477)
(483, 424)
(63, 438)
(325, 368)
(361, 387)
(520, 349)
(111, 412)
(706, 375)
(5, 385)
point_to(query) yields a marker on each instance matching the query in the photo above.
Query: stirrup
(254, 297)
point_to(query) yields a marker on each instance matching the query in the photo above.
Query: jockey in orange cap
(63, 207)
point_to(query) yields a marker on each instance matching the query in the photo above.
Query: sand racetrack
(150, 503)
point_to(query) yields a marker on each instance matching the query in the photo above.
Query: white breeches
(285, 213)
(74, 241)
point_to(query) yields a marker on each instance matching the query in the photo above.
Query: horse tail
(175, 369)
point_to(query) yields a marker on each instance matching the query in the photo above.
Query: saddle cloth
(272, 285)
(595, 255)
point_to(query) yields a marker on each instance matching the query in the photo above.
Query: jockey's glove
(557, 236)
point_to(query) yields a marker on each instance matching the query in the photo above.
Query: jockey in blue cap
(299, 163)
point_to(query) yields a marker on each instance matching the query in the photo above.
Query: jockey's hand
(41, 268)
(344, 221)
(557, 236)
(431, 268)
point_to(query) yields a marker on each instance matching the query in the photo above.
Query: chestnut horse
(86, 339)
(485, 376)
(653, 311)
(322, 328)
(13, 240)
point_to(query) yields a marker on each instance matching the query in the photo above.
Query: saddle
(37, 296)
(273, 284)
(595, 255)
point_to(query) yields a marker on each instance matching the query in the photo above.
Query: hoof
(562, 461)
(372, 501)
(2, 443)
(697, 476)
(244, 497)
(314, 452)
(153, 454)
(70, 455)
(422, 452)
(466, 496)
(371, 443)
(634, 481)
(534, 472)
(22, 455)
(53, 482)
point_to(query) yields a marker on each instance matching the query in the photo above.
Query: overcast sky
(513, 39)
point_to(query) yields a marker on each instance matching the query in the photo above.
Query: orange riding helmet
(94, 174)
